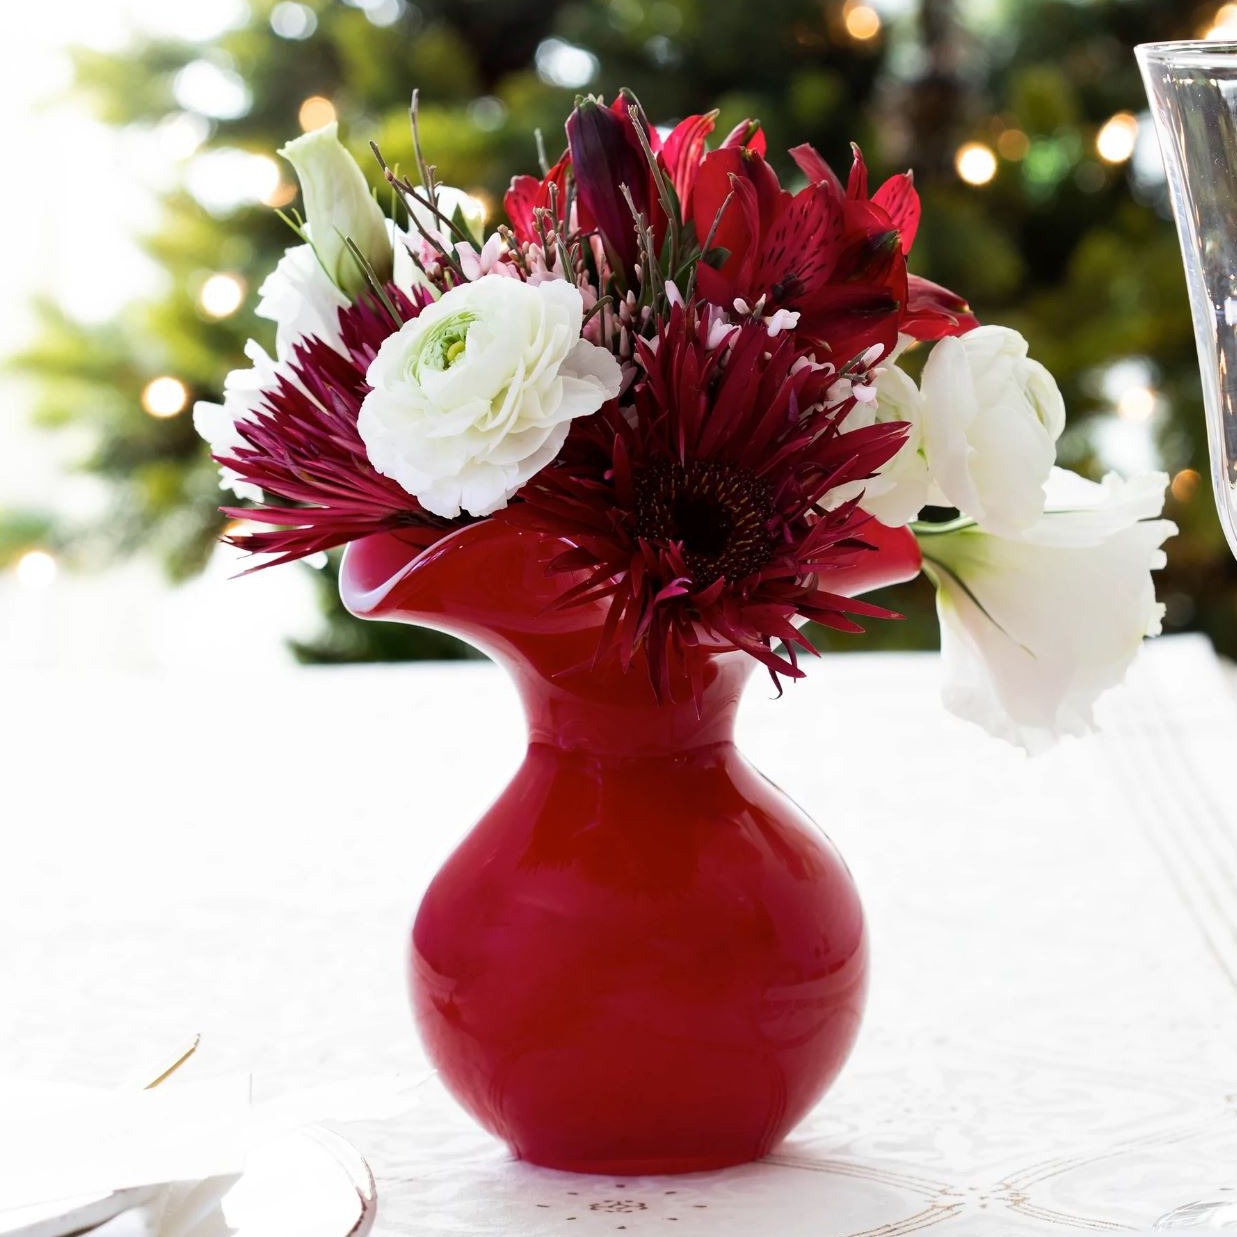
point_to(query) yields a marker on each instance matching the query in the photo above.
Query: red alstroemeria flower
(527, 199)
(931, 312)
(834, 256)
(604, 154)
(303, 450)
(697, 513)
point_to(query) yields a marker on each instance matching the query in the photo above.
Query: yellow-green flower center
(445, 342)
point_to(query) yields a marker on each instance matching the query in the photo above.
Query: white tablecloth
(1051, 1040)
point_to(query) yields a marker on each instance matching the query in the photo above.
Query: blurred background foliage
(1024, 122)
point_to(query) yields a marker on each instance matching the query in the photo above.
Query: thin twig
(665, 191)
(598, 308)
(404, 186)
(427, 179)
(376, 285)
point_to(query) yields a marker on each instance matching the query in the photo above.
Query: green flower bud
(339, 208)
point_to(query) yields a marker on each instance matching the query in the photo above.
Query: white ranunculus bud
(991, 419)
(476, 394)
(1036, 627)
(339, 207)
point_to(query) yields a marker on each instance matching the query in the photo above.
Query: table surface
(1051, 1038)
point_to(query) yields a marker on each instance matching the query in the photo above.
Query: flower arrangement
(690, 375)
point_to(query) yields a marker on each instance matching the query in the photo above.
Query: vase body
(644, 957)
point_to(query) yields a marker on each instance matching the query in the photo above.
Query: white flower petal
(991, 418)
(1035, 628)
(243, 393)
(300, 298)
(899, 490)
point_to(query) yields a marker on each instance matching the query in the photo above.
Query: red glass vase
(644, 958)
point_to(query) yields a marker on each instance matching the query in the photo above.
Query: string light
(1117, 138)
(221, 295)
(165, 397)
(975, 163)
(316, 113)
(862, 22)
(36, 569)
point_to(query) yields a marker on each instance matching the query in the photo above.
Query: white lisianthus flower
(476, 394)
(1035, 628)
(300, 298)
(243, 390)
(991, 419)
(339, 207)
(900, 489)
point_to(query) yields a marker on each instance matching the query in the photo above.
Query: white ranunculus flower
(339, 207)
(991, 419)
(300, 298)
(898, 492)
(476, 394)
(1035, 628)
(243, 390)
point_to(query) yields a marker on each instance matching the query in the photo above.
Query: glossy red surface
(644, 958)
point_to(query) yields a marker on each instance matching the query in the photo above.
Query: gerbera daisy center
(718, 511)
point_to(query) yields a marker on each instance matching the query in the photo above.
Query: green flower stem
(923, 529)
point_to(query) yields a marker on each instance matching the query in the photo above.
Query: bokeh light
(1185, 484)
(1223, 24)
(1013, 145)
(975, 163)
(862, 22)
(561, 64)
(1136, 404)
(221, 295)
(293, 21)
(164, 397)
(36, 569)
(315, 113)
(222, 180)
(211, 90)
(1117, 138)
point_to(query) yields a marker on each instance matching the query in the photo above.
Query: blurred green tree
(1019, 117)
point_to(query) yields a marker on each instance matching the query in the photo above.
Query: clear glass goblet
(1192, 88)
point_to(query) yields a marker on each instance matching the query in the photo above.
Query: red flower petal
(898, 199)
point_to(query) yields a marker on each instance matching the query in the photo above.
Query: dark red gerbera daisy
(697, 514)
(303, 450)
